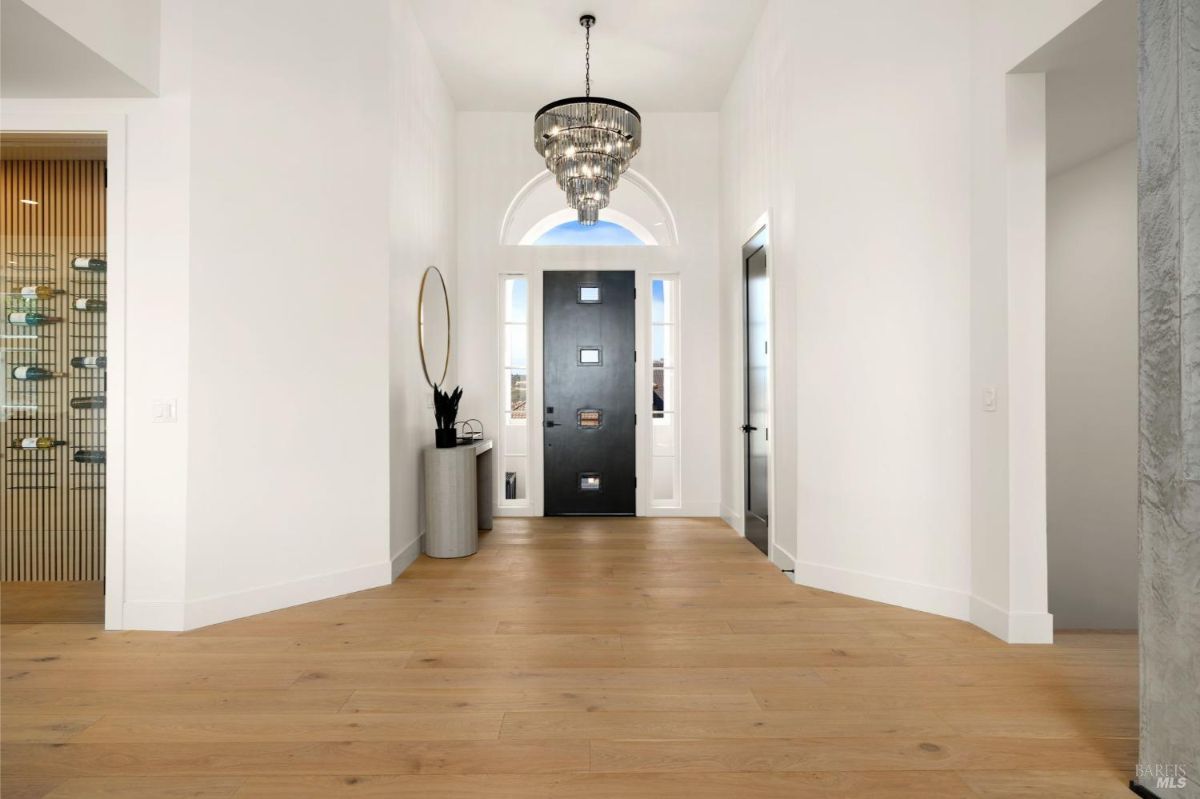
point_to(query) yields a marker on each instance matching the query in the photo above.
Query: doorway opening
(54, 392)
(1076, 101)
(589, 377)
(756, 426)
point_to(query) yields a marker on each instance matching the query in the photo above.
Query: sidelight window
(514, 390)
(664, 372)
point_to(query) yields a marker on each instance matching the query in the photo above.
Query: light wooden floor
(614, 658)
(59, 601)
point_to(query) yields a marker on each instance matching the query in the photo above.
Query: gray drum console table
(458, 498)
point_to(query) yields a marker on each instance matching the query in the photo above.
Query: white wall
(288, 468)
(1007, 564)
(677, 155)
(852, 131)
(273, 253)
(422, 226)
(1092, 384)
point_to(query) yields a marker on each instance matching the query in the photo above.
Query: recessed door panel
(589, 374)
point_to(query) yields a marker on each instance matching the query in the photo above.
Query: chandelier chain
(587, 58)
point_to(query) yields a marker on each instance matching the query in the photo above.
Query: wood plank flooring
(571, 658)
(51, 602)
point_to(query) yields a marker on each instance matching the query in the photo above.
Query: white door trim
(113, 125)
(776, 554)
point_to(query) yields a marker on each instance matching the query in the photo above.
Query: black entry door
(589, 371)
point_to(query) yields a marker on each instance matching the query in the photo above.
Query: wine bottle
(32, 373)
(88, 456)
(89, 361)
(38, 292)
(90, 264)
(31, 318)
(89, 304)
(87, 403)
(36, 442)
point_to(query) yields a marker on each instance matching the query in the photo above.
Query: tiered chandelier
(587, 141)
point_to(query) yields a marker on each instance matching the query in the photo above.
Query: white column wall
(1003, 33)
(851, 130)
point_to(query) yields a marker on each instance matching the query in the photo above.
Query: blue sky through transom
(601, 234)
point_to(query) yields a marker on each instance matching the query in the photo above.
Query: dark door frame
(758, 239)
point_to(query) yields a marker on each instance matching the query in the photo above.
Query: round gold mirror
(433, 326)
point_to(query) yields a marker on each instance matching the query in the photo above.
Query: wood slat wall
(52, 520)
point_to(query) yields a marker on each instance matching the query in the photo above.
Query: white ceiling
(63, 49)
(656, 55)
(1091, 85)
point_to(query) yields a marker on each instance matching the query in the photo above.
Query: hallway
(570, 658)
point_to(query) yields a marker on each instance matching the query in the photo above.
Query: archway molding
(636, 205)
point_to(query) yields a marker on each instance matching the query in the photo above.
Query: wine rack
(53, 507)
(30, 405)
(85, 427)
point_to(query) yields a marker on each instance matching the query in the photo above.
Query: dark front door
(588, 364)
(754, 255)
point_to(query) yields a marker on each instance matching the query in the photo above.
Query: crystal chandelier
(587, 141)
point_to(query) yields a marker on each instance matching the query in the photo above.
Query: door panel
(757, 381)
(589, 373)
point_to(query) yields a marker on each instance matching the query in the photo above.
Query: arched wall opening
(500, 201)
(636, 206)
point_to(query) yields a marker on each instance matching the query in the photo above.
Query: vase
(445, 439)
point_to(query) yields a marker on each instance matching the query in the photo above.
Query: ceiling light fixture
(587, 141)
(27, 201)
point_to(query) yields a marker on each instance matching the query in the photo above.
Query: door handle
(552, 424)
(747, 428)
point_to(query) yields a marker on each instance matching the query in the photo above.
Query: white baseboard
(1012, 628)
(688, 510)
(890, 590)
(989, 617)
(236, 605)
(159, 616)
(1030, 628)
(405, 557)
(175, 616)
(735, 520)
(785, 560)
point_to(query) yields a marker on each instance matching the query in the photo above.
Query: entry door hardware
(747, 428)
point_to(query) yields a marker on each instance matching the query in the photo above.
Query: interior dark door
(757, 435)
(589, 372)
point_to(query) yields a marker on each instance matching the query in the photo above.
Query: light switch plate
(989, 399)
(164, 411)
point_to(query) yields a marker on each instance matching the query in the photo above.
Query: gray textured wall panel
(1169, 385)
